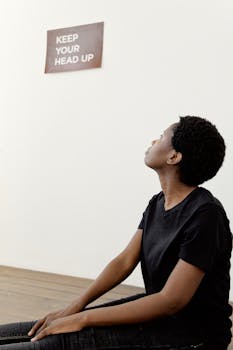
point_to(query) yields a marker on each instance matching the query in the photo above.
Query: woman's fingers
(42, 334)
(36, 326)
(44, 325)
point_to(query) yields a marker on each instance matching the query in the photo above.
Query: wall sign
(74, 48)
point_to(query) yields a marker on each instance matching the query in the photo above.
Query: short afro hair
(202, 148)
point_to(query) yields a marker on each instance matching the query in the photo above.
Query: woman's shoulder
(205, 202)
(205, 199)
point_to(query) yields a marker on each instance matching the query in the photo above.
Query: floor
(27, 295)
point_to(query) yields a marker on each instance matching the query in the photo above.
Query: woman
(184, 245)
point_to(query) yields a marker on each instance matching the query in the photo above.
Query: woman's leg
(13, 336)
(157, 335)
(51, 342)
(15, 332)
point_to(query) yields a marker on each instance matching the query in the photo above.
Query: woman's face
(157, 155)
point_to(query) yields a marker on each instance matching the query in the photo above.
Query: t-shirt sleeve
(141, 225)
(201, 239)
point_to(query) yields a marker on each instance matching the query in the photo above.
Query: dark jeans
(150, 335)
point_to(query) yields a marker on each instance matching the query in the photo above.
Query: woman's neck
(174, 191)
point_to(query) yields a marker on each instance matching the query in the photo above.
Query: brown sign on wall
(74, 48)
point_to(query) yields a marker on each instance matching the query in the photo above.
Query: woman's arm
(177, 292)
(114, 273)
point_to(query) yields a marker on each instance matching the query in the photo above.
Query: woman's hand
(67, 324)
(45, 321)
(71, 309)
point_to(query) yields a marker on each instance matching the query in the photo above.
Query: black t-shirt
(197, 231)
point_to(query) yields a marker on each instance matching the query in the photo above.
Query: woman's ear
(174, 157)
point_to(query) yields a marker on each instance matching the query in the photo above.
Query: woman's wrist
(74, 307)
(85, 318)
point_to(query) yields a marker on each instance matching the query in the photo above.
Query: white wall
(73, 184)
